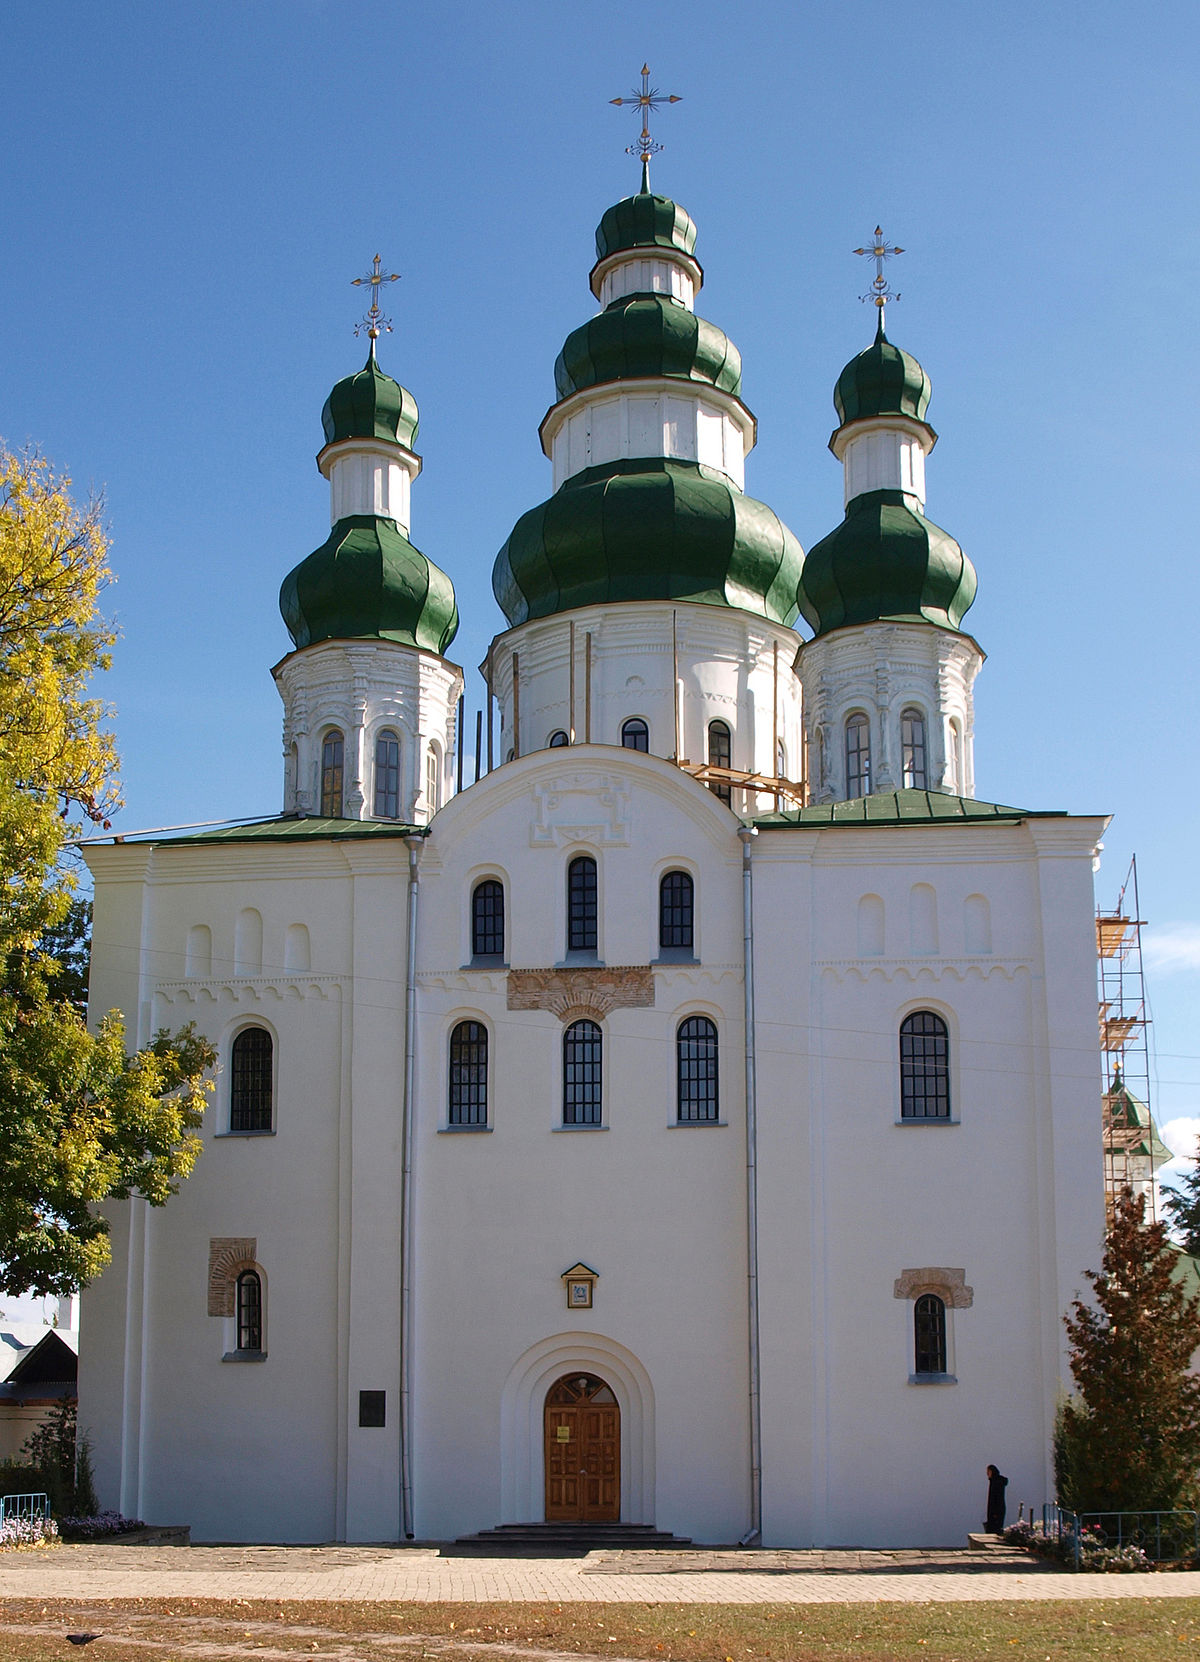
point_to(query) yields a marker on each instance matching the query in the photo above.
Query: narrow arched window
(780, 760)
(333, 757)
(913, 750)
(581, 1074)
(924, 1067)
(251, 1069)
(696, 1070)
(249, 1310)
(581, 904)
(487, 919)
(467, 1103)
(557, 739)
(433, 780)
(929, 1334)
(635, 735)
(720, 755)
(387, 776)
(676, 911)
(858, 756)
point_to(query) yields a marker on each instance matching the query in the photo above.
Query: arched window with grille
(720, 755)
(929, 1335)
(696, 1071)
(676, 912)
(582, 904)
(924, 1067)
(248, 1310)
(333, 760)
(487, 919)
(251, 1079)
(582, 1063)
(635, 735)
(467, 1102)
(387, 776)
(914, 769)
(858, 755)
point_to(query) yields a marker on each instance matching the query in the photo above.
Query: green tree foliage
(81, 1121)
(64, 1461)
(1182, 1206)
(1130, 1439)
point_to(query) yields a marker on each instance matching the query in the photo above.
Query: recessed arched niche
(977, 925)
(248, 942)
(922, 919)
(198, 957)
(296, 954)
(870, 926)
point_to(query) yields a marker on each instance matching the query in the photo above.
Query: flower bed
(27, 1532)
(102, 1527)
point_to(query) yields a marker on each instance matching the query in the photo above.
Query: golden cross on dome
(880, 291)
(647, 100)
(374, 322)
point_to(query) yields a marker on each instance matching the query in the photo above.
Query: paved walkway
(419, 1574)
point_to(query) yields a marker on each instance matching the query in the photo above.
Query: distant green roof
(291, 828)
(904, 808)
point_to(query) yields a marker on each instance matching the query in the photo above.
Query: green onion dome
(368, 582)
(647, 334)
(370, 405)
(887, 562)
(882, 381)
(645, 221)
(648, 529)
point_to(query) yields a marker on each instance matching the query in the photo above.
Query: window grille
(581, 1074)
(676, 901)
(387, 776)
(557, 739)
(487, 919)
(333, 752)
(929, 1324)
(635, 735)
(696, 1058)
(912, 750)
(251, 1068)
(581, 905)
(249, 1311)
(468, 1074)
(924, 1067)
(858, 756)
(720, 755)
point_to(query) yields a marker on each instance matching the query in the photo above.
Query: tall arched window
(581, 1074)
(248, 1309)
(387, 776)
(433, 780)
(333, 755)
(557, 739)
(696, 1070)
(676, 916)
(467, 1102)
(635, 735)
(487, 919)
(720, 755)
(581, 904)
(251, 1069)
(929, 1334)
(924, 1067)
(780, 759)
(913, 751)
(858, 756)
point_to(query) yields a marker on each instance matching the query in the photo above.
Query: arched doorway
(583, 1451)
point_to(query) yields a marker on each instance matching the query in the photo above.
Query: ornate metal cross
(374, 321)
(647, 100)
(880, 291)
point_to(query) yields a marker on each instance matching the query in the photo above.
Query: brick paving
(422, 1575)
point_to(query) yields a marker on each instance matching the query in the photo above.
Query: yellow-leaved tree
(81, 1119)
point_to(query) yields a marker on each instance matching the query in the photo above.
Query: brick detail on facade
(584, 991)
(227, 1254)
(949, 1285)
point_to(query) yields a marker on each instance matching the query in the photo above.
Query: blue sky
(189, 191)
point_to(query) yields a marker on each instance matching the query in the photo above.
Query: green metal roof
(368, 582)
(647, 334)
(648, 529)
(370, 405)
(645, 221)
(883, 380)
(903, 808)
(885, 561)
(291, 828)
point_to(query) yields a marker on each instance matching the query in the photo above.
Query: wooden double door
(583, 1451)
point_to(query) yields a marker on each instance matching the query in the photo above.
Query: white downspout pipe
(406, 1208)
(747, 834)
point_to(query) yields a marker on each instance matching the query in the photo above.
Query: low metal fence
(1161, 1536)
(32, 1506)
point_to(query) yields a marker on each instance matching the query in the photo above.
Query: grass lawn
(210, 1630)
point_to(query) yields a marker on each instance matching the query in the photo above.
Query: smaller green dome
(885, 561)
(370, 405)
(647, 334)
(645, 221)
(882, 381)
(368, 582)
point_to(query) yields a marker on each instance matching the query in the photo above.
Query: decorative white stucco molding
(949, 1285)
(591, 992)
(581, 807)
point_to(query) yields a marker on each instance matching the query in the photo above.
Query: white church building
(694, 1121)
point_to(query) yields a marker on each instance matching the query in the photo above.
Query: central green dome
(648, 529)
(645, 221)
(647, 335)
(368, 582)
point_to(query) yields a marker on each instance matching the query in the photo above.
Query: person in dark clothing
(995, 1501)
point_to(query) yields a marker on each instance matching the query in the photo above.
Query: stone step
(567, 1538)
